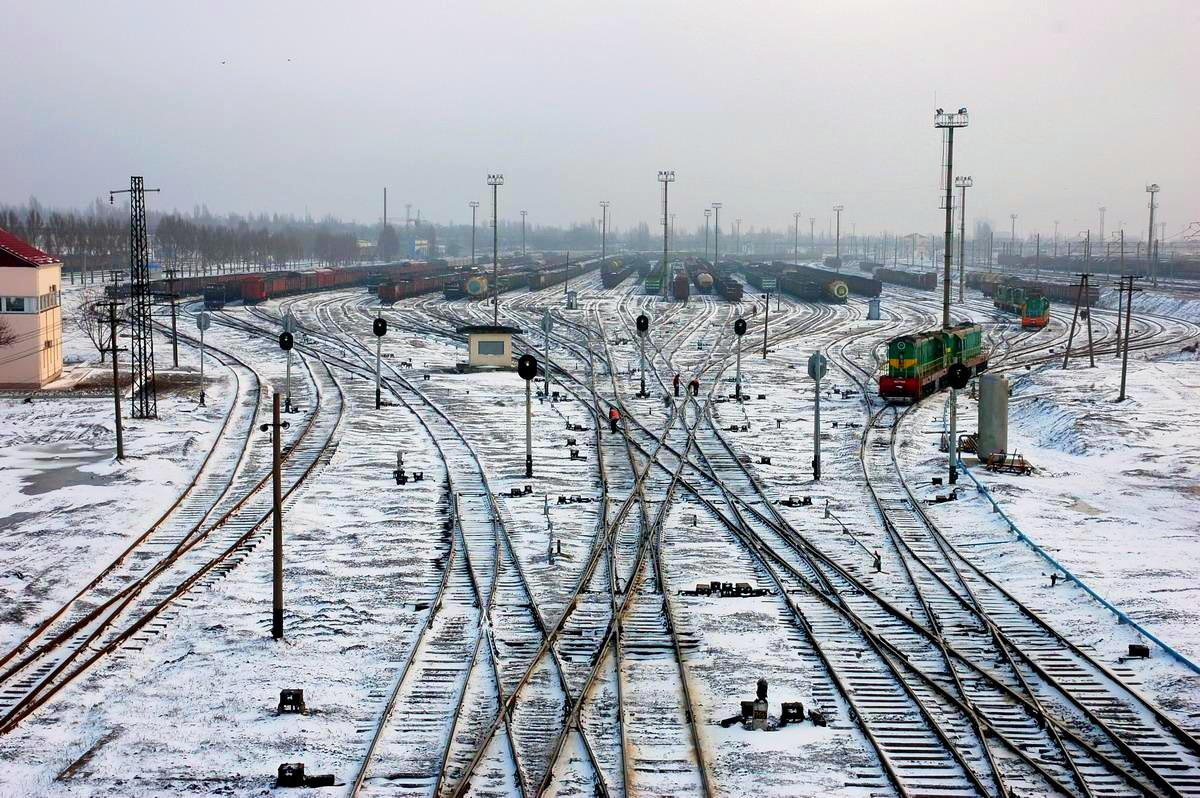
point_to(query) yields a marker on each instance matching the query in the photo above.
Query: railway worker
(614, 418)
(1054, 579)
(675, 382)
(695, 386)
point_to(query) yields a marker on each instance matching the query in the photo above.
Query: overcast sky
(767, 107)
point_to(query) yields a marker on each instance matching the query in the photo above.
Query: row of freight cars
(616, 270)
(1066, 293)
(258, 287)
(554, 271)
(922, 280)
(802, 287)
(1134, 263)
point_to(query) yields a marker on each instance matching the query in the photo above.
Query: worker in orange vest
(676, 383)
(614, 417)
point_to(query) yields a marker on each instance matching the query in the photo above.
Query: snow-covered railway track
(201, 547)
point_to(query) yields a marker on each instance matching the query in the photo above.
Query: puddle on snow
(60, 466)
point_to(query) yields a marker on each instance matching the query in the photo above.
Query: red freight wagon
(254, 289)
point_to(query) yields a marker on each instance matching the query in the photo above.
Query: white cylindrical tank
(993, 415)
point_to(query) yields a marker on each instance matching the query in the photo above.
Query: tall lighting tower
(796, 243)
(716, 236)
(474, 206)
(737, 237)
(837, 252)
(495, 181)
(144, 388)
(948, 123)
(707, 216)
(603, 229)
(812, 232)
(523, 213)
(1152, 190)
(666, 177)
(1056, 238)
(963, 183)
(1102, 210)
(1012, 236)
(672, 228)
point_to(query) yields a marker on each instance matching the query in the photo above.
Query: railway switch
(291, 700)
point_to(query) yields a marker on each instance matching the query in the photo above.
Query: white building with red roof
(31, 313)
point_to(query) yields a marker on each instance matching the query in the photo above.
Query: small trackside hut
(489, 346)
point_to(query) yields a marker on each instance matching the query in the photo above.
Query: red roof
(15, 252)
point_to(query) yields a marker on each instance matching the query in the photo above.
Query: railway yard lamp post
(1102, 210)
(796, 242)
(837, 256)
(523, 213)
(603, 229)
(495, 181)
(716, 237)
(1056, 238)
(948, 123)
(962, 183)
(666, 177)
(1012, 236)
(737, 237)
(812, 232)
(527, 367)
(474, 206)
(1152, 190)
(707, 216)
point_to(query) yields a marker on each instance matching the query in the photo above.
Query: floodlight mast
(948, 122)
(1152, 190)
(666, 177)
(495, 181)
(963, 183)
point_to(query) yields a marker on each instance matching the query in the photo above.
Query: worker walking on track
(695, 386)
(675, 382)
(614, 418)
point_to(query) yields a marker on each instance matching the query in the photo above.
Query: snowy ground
(1112, 500)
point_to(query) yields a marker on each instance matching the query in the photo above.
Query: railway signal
(739, 328)
(643, 326)
(527, 367)
(286, 341)
(818, 366)
(957, 375)
(766, 320)
(379, 327)
(203, 322)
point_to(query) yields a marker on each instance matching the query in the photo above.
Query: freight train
(680, 286)
(918, 363)
(254, 287)
(614, 271)
(926, 281)
(1066, 293)
(833, 291)
(856, 284)
(1028, 303)
(728, 289)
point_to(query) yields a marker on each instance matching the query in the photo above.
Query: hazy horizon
(768, 108)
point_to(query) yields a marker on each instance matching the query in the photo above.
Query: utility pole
(962, 183)
(766, 320)
(174, 332)
(948, 122)
(1056, 238)
(495, 181)
(474, 205)
(603, 230)
(1152, 190)
(144, 391)
(1012, 237)
(796, 243)
(116, 375)
(1037, 258)
(1102, 210)
(523, 213)
(1128, 321)
(672, 228)
(737, 237)
(1120, 295)
(812, 232)
(666, 177)
(837, 209)
(707, 215)
(1082, 296)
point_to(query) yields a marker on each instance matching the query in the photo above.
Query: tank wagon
(918, 363)
(834, 291)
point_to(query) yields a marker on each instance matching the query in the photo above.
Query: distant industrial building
(30, 314)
